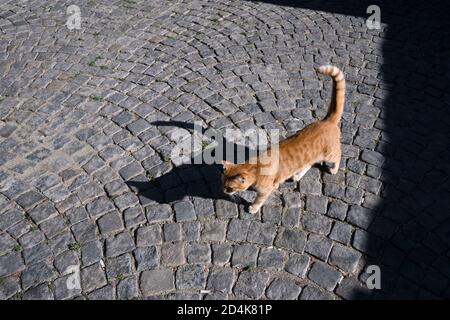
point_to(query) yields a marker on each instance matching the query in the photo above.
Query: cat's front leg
(259, 201)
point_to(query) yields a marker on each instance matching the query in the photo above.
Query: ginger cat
(317, 142)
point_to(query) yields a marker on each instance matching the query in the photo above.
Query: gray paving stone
(146, 258)
(312, 293)
(42, 212)
(11, 218)
(99, 206)
(21, 228)
(184, 211)
(291, 217)
(244, 255)
(191, 231)
(271, 213)
(53, 226)
(221, 253)
(317, 204)
(110, 223)
(11, 263)
(91, 252)
(226, 209)
(36, 274)
(204, 208)
(316, 223)
(283, 289)
(172, 232)
(261, 233)
(319, 246)
(148, 235)
(85, 231)
(128, 289)
(341, 232)
(344, 258)
(221, 280)
(156, 281)
(292, 200)
(191, 277)
(372, 157)
(61, 242)
(105, 293)
(172, 254)
(92, 277)
(130, 171)
(119, 267)
(214, 230)
(271, 258)
(298, 264)
(126, 200)
(251, 284)
(10, 286)
(62, 291)
(291, 239)
(351, 289)
(198, 253)
(29, 199)
(120, 243)
(76, 215)
(324, 275)
(360, 216)
(36, 253)
(65, 260)
(134, 216)
(41, 292)
(237, 230)
(7, 243)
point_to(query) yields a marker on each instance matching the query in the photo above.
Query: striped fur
(317, 142)
(338, 96)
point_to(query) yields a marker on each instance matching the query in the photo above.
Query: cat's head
(236, 177)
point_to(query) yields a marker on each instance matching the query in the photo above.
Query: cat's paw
(253, 209)
(333, 170)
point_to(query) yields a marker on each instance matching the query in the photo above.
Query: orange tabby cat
(294, 156)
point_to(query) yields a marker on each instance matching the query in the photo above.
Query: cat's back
(315, 132)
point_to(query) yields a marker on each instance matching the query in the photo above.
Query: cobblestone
(251, 284)
(191, 277)
(87, 177)
(146, 258)
(221, 280)
(324, 276)
(156, 281)
(282, 289)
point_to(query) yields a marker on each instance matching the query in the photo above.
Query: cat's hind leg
(335, 159)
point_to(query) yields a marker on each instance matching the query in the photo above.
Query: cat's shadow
(191, 179)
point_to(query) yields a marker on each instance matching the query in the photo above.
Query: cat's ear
(227, 165)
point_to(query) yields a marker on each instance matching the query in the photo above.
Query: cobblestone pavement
(86, 177)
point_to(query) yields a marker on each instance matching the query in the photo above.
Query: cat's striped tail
(338, 96)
